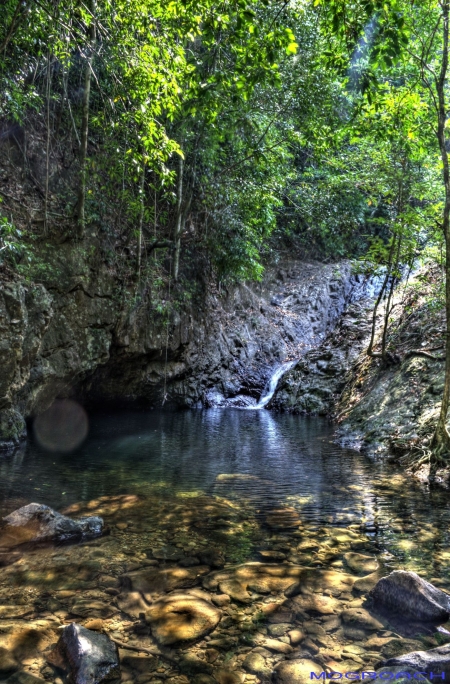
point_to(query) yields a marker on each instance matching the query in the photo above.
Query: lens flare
(63, 427)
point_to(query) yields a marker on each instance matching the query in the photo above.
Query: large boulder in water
(437, 660)
(89, 657)
(407, 594)
(38, 524)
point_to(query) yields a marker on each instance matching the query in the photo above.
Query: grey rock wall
(85, 338)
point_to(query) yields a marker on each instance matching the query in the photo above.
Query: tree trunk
(141, 223)
(440, 445)
(370, 351)
(179, 221)
(80, 212)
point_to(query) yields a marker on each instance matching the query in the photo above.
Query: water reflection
(291, 460)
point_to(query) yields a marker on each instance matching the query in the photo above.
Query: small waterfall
(269, 389)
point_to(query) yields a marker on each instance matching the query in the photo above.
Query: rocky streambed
(217, 589)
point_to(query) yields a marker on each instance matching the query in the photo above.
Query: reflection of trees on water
(291, 458)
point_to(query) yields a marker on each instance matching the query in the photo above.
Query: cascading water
(269, 389)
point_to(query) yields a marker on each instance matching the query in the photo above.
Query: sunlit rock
(255, 664)
(132, 603)
(315, 603)
(92, 609)
(296, 671)
(365, 584)
(89, 657)
(360, 564)
(408, 594)
(181, 617)
(264, 578)
(154, 580)
(39, 523)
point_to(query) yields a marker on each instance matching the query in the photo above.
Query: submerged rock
(408, 594)
(182, 617)
(264, 578)
(90, 657)
(150, 579)
(39, 523)
(360, 564)
(296, 671)
(283, 518)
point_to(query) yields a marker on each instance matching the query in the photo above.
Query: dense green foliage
(299, 125)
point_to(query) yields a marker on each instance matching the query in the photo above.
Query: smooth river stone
(132, 604)
(360, 618)
(181, 617)
(275, 577)
(15, 611)
(277, 646)
(93, 609)
(359, 564)
(283, 518)
(315, 603)
(296, 671)
(408, 594)
(255, 663)
(151, 580)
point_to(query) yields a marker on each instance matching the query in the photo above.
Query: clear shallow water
(186, 494)
(291, 460)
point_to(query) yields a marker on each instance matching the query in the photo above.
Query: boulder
(38, 523)
(408, 594)
(89, 657)
(181, 617)
(395, 674)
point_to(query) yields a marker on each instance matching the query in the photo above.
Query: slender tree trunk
(81, 220)
(19, 13)
(440, 445)
(389, 300)
(141, 223)
(179, 221)
(370, 351)
(47, 149)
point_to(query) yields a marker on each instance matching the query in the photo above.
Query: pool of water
(292, 460)
(212, 490)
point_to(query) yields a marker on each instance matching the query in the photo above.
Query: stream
(212, 490)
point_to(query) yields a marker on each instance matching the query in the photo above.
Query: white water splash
(269, 389)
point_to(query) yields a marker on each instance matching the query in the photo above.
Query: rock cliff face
(84, 337)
